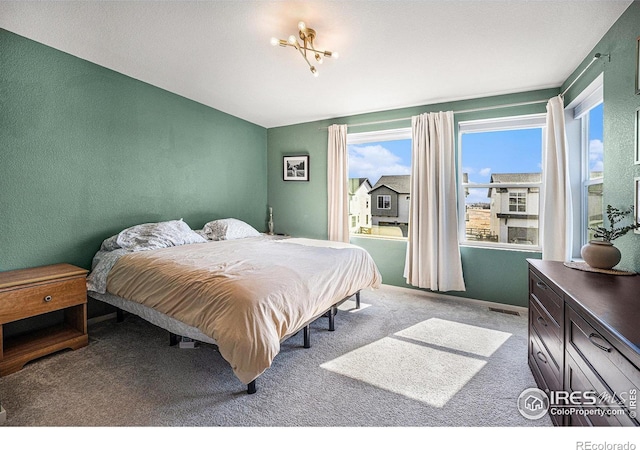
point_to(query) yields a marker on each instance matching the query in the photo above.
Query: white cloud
(373, 161)
(598, 166)
(485, 172)
(596, 149)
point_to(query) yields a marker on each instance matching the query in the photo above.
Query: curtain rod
(462, 111)
(596, 57)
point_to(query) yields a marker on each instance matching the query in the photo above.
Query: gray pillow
(149, 236)
(227, 229)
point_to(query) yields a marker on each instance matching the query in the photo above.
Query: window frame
(529, 121)
(384, 197)
(582, 112)
(365, 137)
(517, 196)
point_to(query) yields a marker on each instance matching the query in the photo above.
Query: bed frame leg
(251, 387)
(173, 339)
(119, 315)
(358, 300)
(307, 336)
(332, 318)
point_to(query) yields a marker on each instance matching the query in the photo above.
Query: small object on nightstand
(270, 220)
(32, 292)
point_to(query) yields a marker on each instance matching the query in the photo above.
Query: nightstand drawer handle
(600, 346)
(48, 298)
(542, 321)
(541, 285)
(542, 358)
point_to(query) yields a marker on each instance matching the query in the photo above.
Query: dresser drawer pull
(541, 321)
(541, 357)
(48, 298)
(600, 346)
(541, 285)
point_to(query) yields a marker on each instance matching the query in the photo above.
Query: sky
(374, 159)
(483, 154)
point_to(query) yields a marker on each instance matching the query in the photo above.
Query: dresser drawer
(548, 331)
(541, 289)
(21, 303)
(544, 362)
(584, 342)
(598, 410)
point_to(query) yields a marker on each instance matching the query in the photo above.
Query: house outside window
(383, 159)
(500, 164)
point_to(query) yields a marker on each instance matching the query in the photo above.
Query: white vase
(600, 254)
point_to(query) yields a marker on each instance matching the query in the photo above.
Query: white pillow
(149, 236)
(227, 229)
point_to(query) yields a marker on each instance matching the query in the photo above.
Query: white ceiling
(393, 54)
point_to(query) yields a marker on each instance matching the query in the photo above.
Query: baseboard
(101, 318)
(519, 309)
(3, 415)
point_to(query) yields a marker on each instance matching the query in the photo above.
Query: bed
(229, 285)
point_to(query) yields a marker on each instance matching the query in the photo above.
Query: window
(518, 201)
(384, 202)
(500, 172)
(585, 123)
(379, 173)
(592, 149)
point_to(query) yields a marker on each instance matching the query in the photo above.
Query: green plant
(614, 215)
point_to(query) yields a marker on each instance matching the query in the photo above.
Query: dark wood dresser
(584, 337)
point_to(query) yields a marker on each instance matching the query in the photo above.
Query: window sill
(510, 248)
(377, 237)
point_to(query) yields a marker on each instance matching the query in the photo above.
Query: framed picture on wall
(636, 202)
(638, 66)
(636, 136)
(295, 168)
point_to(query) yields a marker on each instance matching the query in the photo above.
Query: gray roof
(516, 177)
(355, 183)
(398, 183)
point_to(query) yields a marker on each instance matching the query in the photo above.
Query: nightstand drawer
(29, 301)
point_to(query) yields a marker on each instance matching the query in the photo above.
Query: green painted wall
(86, 152)
(300, 209)
(620, 104)
(493, 275)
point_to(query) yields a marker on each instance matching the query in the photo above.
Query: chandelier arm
(304, 56)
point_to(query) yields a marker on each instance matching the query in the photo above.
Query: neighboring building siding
(383, 190)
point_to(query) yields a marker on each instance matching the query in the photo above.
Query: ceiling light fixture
(307, 35)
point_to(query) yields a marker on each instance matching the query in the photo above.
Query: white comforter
(247, 294)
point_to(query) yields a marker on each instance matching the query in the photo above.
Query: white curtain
(556, 217)
(433, 255)
(337, 161)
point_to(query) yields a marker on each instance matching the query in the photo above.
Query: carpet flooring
(406, 359)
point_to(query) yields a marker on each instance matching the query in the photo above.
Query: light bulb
(335, 55)
(292, 39)
(319, 58)
(314, 71)
(301, 26)
(275, 41)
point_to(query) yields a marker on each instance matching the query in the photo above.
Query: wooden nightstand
(31, 292)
